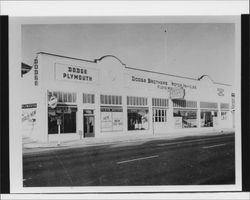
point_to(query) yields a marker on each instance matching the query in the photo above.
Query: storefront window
(159, 115)
(224, 115)
(138, 119)
(185, 118)
(68, 119)
(208, 118)
(29, 112)
(109, 99)
(63, 97)
(111, 119)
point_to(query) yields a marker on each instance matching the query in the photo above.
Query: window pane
(133, 103)
(105, 99)
(65, 97)
(70, 97)
(208, 117)
(74, 97)
(120, 100)
(60, 99)
(68, 117)
(138, 119)
(185, 118)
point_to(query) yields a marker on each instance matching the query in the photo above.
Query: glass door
(89, 125)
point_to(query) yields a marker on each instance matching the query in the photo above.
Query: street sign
(53, 102)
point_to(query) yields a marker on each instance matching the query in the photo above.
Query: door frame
(89, 115)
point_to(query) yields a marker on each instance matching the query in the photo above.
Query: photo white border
(102, 8)
(124, 8)
(15, 92)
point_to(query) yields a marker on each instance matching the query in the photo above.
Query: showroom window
(209, 118)
(209, 114)
(111, 118)
(224, 115)
(185, 118)
(224, 111)
(66, 114)
(138, 119)
(185, 113)
(65, 111)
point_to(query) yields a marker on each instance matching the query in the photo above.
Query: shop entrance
(88, 123)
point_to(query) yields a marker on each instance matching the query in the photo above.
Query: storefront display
(29, 112)
(189, 118)
(224, 111)
(111, 119)
(208, 118)
(224, 115)
(66, 114)
(138, 119)
(178, 122)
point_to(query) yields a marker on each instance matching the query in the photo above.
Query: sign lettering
(36, 72)
(177, 93)
(75, 73)
(160, 84)
(220, 92)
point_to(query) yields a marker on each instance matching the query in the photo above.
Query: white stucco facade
(119, 100)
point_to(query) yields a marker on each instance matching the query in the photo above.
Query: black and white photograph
(138, 105)
(124, 99)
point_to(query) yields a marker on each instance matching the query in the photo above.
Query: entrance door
(88, 124)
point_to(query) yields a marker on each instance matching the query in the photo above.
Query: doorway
(88, 123)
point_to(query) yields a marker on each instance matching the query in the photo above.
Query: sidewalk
(30, 146)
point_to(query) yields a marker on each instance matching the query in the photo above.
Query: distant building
(105, 98)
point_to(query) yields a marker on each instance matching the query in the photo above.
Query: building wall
(109, 76)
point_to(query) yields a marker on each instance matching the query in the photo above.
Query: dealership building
(74, 98)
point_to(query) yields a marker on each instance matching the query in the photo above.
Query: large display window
(224, 115)
(224, 111)
(138, 119)
(67, 116)
(185, 118)
(209, 118)
(111, 119)
(29, 112)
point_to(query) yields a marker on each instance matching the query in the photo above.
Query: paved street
(184, 161)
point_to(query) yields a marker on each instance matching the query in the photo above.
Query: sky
(188, 49)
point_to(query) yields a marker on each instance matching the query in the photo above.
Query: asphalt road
(202, 160)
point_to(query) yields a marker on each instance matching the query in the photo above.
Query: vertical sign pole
(59, 133)
(153, 120)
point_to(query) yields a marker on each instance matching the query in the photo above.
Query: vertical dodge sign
(36, 72)
(64, 72)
